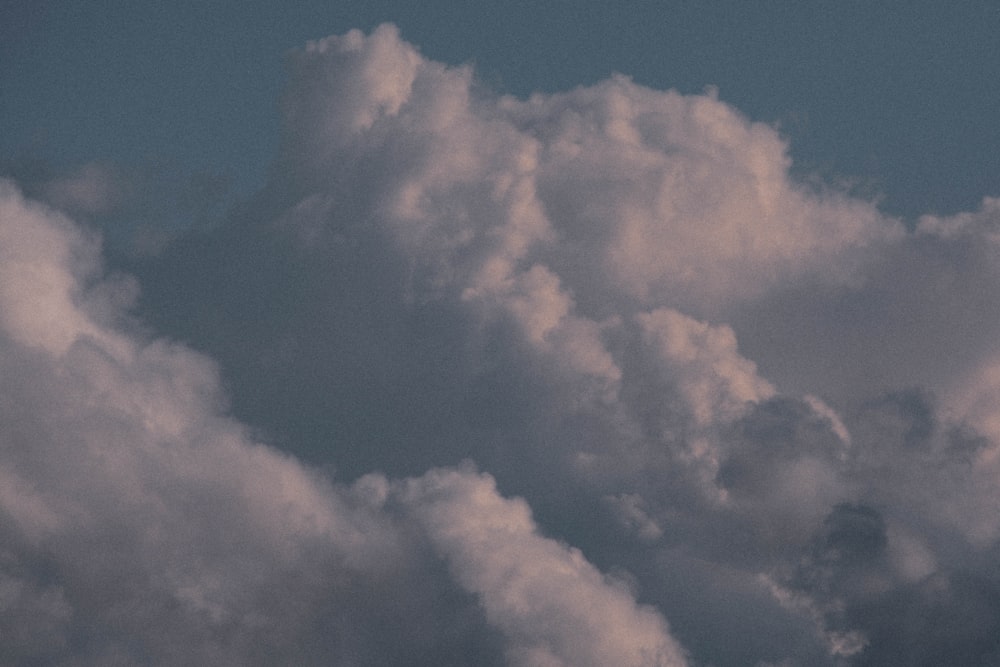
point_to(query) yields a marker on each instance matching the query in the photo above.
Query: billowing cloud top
(505, 336)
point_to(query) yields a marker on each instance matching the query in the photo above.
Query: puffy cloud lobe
(704, 361)
(681, 199)
(41, 266)
(554, 605)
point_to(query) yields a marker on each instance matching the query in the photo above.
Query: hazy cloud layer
(716, 416)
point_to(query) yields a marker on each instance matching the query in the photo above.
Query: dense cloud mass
(581, 379)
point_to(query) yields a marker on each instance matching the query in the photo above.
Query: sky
(657, 333)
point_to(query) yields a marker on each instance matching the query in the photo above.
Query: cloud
(554, 605)
(543, 285)
(142, 525)
(42, 266)
(716, 412)
(973, 239)
(921, 316)
(666, 197)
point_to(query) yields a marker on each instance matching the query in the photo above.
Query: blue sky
(901, 98)
(584, 334)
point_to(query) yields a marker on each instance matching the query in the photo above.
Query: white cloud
(556, 607)
(608, 298)
(41, 267)
(607, 227)
(165, 535)
(715, 380)
(669, 199)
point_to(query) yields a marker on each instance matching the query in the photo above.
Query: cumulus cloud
(556, 607)
(141, 525)
(666, 197)
(696, 390)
